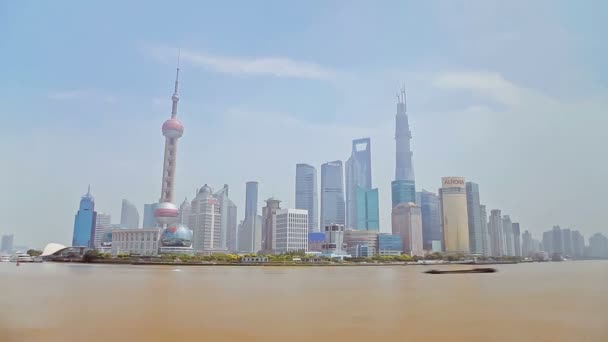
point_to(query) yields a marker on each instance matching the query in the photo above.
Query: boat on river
(474, 270)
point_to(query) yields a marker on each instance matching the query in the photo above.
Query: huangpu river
(560, 301)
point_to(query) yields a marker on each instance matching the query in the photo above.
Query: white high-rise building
(185, 209)
(291, 230)
(205, 221)
(103, 224)
(507, 227)
(407, 223)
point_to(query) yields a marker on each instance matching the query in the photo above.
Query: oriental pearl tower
(166, 212)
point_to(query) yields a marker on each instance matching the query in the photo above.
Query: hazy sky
(509, 94)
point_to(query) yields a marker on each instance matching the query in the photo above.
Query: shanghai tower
(166, 212)
(403, 187)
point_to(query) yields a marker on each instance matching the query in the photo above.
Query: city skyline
(464, 114)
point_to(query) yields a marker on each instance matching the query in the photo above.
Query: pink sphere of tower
(173, 128)
(166, 213)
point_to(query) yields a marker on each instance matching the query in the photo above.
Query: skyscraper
(7, 244)
(358, 175)
(557, 242)
(332, 193)
(251, 199)
(476, 236)
(526, 246)
(273, 205)
(578, 244)
(486, 250)
(496, 233)
(250, 233)
(129, 216)
(368, 213)
(454, 215)
(403, 188)
(516, 239)
(407, 223)
(431, 221)
(166, 212)
(567, 241)
(84, 222)
(507, 228)
(184, 213)
(205, 219)
(291, 230)
(306, 194)
(598, 246)
(232, 233)
(226, 221)
(149, 219)
(103, 225)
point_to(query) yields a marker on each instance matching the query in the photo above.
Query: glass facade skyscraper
(431, 220)
(251, 199)
(476, 235)
(149, 219)
(403, 191)
(84, 222)
(358, 175)
(306, 194)
(332, 193)
(368, 213)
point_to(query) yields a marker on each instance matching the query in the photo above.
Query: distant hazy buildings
(507, 228)
(149, 219)
(454, 215)
(407, 223)
(431, 221)
(84, 222)
(103, 225)
(129, 216)
(291, 230)
(7, 244)
(273, 205)
(485, 231)
(516, 239)
(332, 194)
(578, 244)
(476, 233)
(185, 209)
(403, 188)
(306, 194)
(496, 233)
(251, 199)
(526, 244)
(567, 241)
(205, 221)
(598, 246)
(358, 176)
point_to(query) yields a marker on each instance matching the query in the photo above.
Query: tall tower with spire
(166, 212)
(403, 187)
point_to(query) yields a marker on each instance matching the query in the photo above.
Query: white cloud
(491, 85)
(89, 95)
(273, 66)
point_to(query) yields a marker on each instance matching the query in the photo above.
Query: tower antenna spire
(89, 190)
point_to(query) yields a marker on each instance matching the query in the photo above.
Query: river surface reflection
(565, 301)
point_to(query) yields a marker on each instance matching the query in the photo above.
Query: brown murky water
(528, 302)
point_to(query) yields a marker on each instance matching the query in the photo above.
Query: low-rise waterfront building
(142, 241)
(390, 245)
